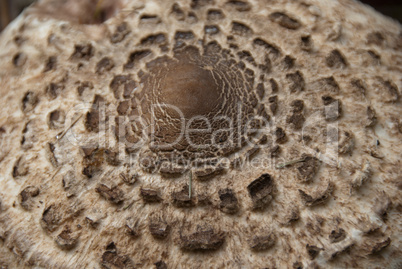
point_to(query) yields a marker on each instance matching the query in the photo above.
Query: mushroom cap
(200, 134)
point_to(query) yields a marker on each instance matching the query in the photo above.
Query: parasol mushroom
(200, 134)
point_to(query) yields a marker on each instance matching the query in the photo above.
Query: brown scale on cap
(200, 134)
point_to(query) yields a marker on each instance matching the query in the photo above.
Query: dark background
(9, 9)
(391, 8)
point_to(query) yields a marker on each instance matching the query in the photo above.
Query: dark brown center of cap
(190, 88)
(195, 106)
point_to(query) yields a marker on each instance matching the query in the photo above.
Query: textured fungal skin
(291, 141)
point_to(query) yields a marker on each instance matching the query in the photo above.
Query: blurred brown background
(9, 9)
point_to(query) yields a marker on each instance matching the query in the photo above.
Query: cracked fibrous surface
(286, 115)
